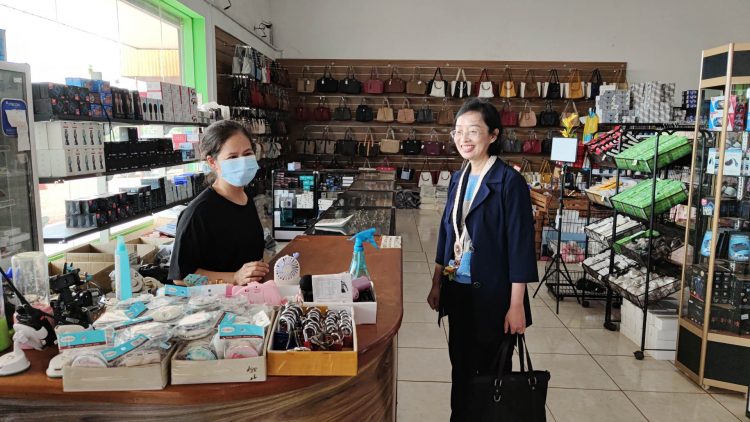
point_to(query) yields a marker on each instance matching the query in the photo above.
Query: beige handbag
(385, 113)
(415, 86)
(445, 115)
(575, 87)
(527, 117)
(305, 84)
(389, 144)
(545, 173)
(406, 114)
(622, 82)
(565, 114)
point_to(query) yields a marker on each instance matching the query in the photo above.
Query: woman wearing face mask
(219, 234)
(487, 236)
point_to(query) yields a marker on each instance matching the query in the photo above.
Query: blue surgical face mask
(239, 171)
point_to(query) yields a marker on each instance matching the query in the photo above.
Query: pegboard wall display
(351, 111)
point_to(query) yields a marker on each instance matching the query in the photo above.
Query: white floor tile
(423, 401)
(683, 407)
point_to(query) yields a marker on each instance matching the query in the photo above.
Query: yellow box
(294, 363)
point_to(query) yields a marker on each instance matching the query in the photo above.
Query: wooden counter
(368, 396)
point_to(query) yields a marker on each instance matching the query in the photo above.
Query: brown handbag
(545, 172)
(374, 85)
(526, 117)
(575, 89)
(565, 114)
(445, 115)
(385, 113)
(406, 114)
(529, 87)
(395, 85)
(389, 144)
(415, 86)
(508, 87)
(305, 84)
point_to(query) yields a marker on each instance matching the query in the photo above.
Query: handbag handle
(322, 101)
(406, 103)
(461, 73)
(529, 74)
(350, 73)
(394, 71)
(414, 74)
(364, 101)
(484, 77)
(327, 71)
(374, 71)
(596, 76)
(348, 134)
(369, 139)
(508, 74)
(575, 76)
(386, 102)
(342, 102)
(526, 105)
(433, 135)
(389, 131)
(412, 134)
(325, 134)
(553, 77)
(438, 71)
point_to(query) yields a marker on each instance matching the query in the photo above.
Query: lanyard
(463, 235)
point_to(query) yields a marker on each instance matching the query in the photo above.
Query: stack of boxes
(652, 101)
(689, 104)
(66, 148)
(178, 103)
(153, 193)
(133, 155)
(100, 96)
(613, 106)
(51, 99)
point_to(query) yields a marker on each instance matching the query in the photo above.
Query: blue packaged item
(739, 247)
(706, 244)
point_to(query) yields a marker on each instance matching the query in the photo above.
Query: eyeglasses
(473, 133)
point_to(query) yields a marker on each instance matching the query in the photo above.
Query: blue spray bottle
(359, 266)
(122, 271)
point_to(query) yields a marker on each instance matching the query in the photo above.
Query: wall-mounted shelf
(123, 122)
(44, 180)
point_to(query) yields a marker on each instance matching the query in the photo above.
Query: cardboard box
(106, 252)
(61, 135)
(293, 363)
(222, 370)
(137, 378)
(99, 271)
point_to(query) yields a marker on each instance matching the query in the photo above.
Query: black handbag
(350, 85)
(549, 117)
(348, 145)
(425, 115)
(595, 83)
(411, 145)
(553, 88)
(511, 396)
(326, 83)
(368, 148)
(342, 112)
(547, 144)
(364, 112)
(511, 143)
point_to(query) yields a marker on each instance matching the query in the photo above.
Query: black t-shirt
(215, 234)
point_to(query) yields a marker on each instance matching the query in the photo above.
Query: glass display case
(714, 333)
(295, 202)
(19, 192)
(379, 185)
(377, 175)
(364, 198)
(382, 219)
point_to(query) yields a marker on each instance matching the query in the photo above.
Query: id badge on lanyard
(462, 249)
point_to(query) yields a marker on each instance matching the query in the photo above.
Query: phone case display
(313, 341)
(19, 192)
(714, 311)
(295, 202)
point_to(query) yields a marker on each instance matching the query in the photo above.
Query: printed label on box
(174, 290)
(81, 339)
(118, 351)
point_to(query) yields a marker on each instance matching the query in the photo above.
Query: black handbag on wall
(549, 117)
(368, 148)
(425, 114)
(554, 91)
(547, 144)
(411, 145)
(511, 396)
(326, 83)
(342, 112)
(350, 85)
(348, 145)
(364, 112)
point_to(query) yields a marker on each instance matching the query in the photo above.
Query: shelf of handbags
(250, 64)
(253, 94)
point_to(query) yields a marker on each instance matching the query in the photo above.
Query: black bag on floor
(515, 396)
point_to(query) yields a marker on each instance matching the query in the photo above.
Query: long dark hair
(490, 116)
(214, 138)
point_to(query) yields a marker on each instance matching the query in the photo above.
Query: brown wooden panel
(424, 71)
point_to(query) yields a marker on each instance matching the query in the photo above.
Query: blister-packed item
(168, 313)
(156, 332)
(240, 341)
(162, 301)
(195, 326)
(203, 303)
(86, 359)
(198, 350)
(110, 318)
(125, 304)
(140, 358)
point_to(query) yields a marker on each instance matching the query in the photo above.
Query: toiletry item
(358, 267)
(122, 271)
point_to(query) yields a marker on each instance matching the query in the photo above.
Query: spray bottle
(122, 271)
(359, 267)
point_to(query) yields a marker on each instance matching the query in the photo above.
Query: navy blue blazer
(501, 227)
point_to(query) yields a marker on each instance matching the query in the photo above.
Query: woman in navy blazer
(486, 299)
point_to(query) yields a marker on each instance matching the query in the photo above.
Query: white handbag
(425, 179)
(485, 86)
(247, 61)
(438, 89)
(444, 179)
(237, 60)
(464, 88)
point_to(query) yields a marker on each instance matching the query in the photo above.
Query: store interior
(629, 122)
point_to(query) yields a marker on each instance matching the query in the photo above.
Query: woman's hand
(515, 320)
(433, 298)
(252, 271)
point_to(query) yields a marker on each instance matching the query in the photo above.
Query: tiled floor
(594, 374)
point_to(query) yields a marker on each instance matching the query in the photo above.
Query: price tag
(390, 242)
(332, 288)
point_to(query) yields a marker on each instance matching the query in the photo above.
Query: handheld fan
(287, 270)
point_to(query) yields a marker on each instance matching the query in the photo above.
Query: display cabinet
(381, 218)
(295, 202)
(714, 326)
